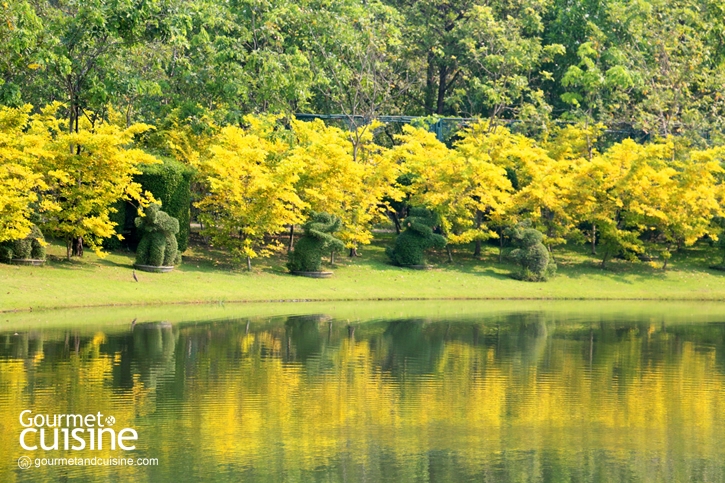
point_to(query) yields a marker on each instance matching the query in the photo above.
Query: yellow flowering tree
(336, 180)
(19, 181)
(250, 181)
(461, 185)
(85, 173)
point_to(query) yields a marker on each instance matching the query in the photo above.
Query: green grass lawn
(206, 276)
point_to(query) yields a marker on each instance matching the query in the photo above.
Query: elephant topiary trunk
(411, 244)
(158, 246)
(30, 247)
(316, 242)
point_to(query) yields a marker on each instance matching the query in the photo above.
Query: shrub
(170, 183)
(316, 242)
(418, 236)
(32, 246)
(531, 255)
(158, 246)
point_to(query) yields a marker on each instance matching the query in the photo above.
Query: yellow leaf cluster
(72, 178)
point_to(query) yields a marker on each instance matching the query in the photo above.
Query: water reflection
(513, 397)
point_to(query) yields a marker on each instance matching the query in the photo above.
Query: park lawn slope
(206, 276)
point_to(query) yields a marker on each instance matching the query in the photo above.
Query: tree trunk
(249, 264)
(353, 252)
(442, 77)
(77, 247)
(594, 239)
(604, 260)
(479, 220)
(450, 255)
(291, 243)
(396, 221)
(332, 257)
(430, 81)
(477, 250)
(500, 245)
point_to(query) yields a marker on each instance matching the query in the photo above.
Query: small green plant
(418, 236)
(316, 242)
(30, 247)
(531, 254)
(158, 246)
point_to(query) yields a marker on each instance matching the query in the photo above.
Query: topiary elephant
(418, 236)
(158, 246)
(316, 242)
(531, 254)
(30, 247)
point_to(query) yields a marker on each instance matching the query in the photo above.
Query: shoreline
(349, 300)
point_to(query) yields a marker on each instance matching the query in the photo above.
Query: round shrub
(417, 237)
(158, 246)
(30, 247)
(532, 256)
(316, 242)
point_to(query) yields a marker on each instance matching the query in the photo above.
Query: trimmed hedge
(170, 183)
(158, 246)
(30, 247)
(410, 246)
(316, 242)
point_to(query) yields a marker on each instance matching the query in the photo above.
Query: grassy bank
(208, 277)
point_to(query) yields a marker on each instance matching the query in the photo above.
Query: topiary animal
(418, 236)
(30, 247)
(158, 246)
(316, 242)
(531, 255)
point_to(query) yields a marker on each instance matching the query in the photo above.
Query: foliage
(30, 247)
(531, 255)
(650, 66)
(336, 180)
(20, 182)
(418, 236)
(170, 184)
(86, 173)
(250, 189)
(457, 184)
(316, 242)
(158, 246)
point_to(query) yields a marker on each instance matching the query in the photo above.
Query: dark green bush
(158, 246)
(32, 246)
(531, 254)
(170, 183)
(316, 242)
(418, 236)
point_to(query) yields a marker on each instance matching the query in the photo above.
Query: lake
(423, 392)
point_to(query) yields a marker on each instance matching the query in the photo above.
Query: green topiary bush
(158, 246)
(170, 183)
(418, 236)
(30, 247)
(316, 242)
(531, 254)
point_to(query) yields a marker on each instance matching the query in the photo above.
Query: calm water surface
(520, 396)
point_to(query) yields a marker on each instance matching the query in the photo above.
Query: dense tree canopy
(655, 66)
(595, 121)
